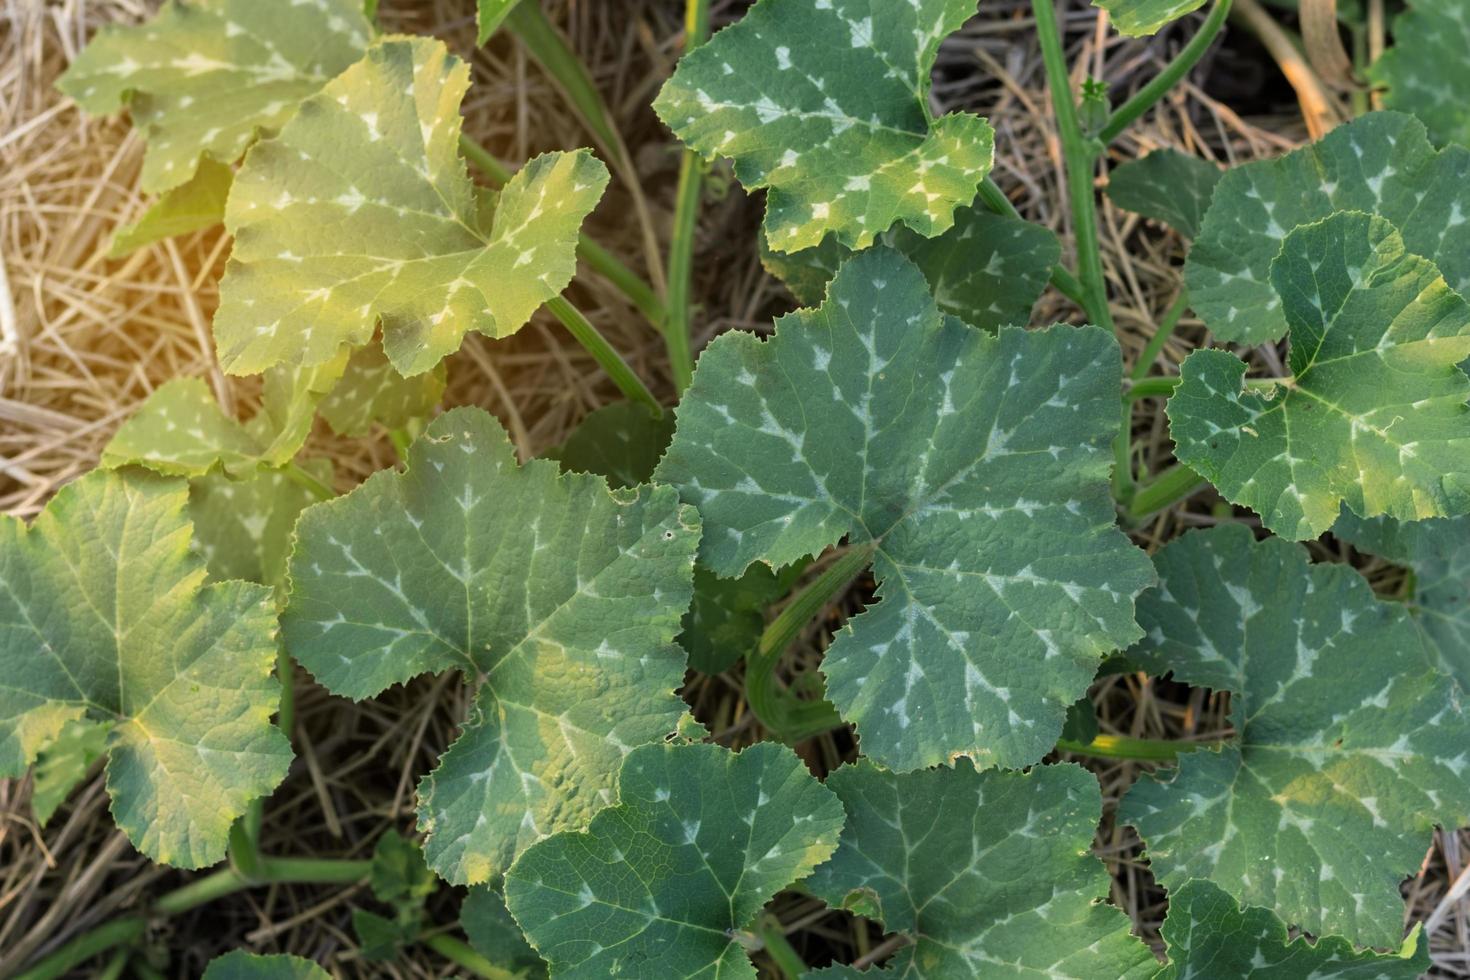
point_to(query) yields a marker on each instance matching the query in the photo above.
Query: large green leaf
(1437, 552)
(620, 442)
(1137, 18)
(241, 965)
(987, 269)
(661, 884)
(826, 105)
(360, 211)
(243, 527)
(1425, 71)
(1349, 747)
(104, 615)
(1209, 935)
(1381, 163)
(1374, 414)
(1168, 186)
(976, 467)
(197, 203)
(563, 595)
(990, 874)
(180, 430)
(204, 77)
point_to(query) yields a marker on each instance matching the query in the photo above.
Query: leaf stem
(602, 352)
(1162, 333)
(599, 259)
(788, 961)
(1124, 747)
(789, 718)
(1165, 80)
(1159, 386)
(458, 952)
(1176, 484)
(686, 215)
(1078, 160)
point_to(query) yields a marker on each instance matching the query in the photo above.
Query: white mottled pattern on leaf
(1438, 553)
(243, 527)
(1210, 937)
(989, 874)
(180, 430)
(563, 595)
(370, 391)
(104, 615)
(977, 467)
(1425, 70)
(658, 886)
(361, 211)
(1375, 414)
(1137, 18)
(1349, 743)
(1381, 163)
(204, 77)
(826, 106)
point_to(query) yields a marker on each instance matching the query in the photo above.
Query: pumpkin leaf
(195, 204)
(1374, 414)
(620, 442)
(700, 840)
(1139, 18)
(361, 212)
(372, 391)
(989, 874)
(495, 935)
(1381, 163)
(826, 106)
(203, 78)
(1424, 71)
(565, 596)
(1348, 742)
(1167, 186)
(243, 527)
(240, 965)
(63, 764)
(104, 616)
(979, 484)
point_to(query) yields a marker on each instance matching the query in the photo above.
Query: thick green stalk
(602, 352)
(1123, 747)
(789, 718)
(1185, 60)
(460, 954)
(1161, 336)
(686, 215)
(1159, 386)
(1173, 486)
(599, 259)
(1078, 161)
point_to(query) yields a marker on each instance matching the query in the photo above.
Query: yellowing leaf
(199, 203)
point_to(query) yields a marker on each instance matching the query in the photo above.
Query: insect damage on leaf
(104, 615)
(974, 465)
(1348, 742)
(361, 212)
(563, 595)
(1374, 414)
(700, 840)
(826, 106)
(204, 77)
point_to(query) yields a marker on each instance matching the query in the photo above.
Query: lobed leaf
(243, 527)
(1381, 163)
(1425, 71)
(203, 78)
(1374, 415)
(662, 883)
(1138, 18)
(371, 391)
(360, 211)
(974, 465)
(989, 874)
(987, 269)
(240, 965)
(104, 616)
(564, 596)
(1167, 186)
(1348, 742)
(826, 106)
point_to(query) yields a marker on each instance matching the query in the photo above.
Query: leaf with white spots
(1425, 70)
(361, 212)
(180, 430)
(620, 442)
(243, 527)
(1374, 414)
(194, 205)
(1210, 936)
(203, 78)
(988, 269)
(989, 874)
(104, 616)
(1168, 186)
(976, 468)
(1348, 742)
(1437, 553)
(240, 965)
(1381, 163)
(662, 884)
(370, 391)
(1138, 18)
(826, 105)
(563, 596)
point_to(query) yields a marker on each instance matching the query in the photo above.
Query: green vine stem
(602, 352)
(1124, 747)
(599, 259)
(458, 952)
(1174, 485)
(686, 215)
(789, 718)
(773, 940)
(1161, 386)
(1176, 69)
(546, 44)
(1162, 333)
(202, 891)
